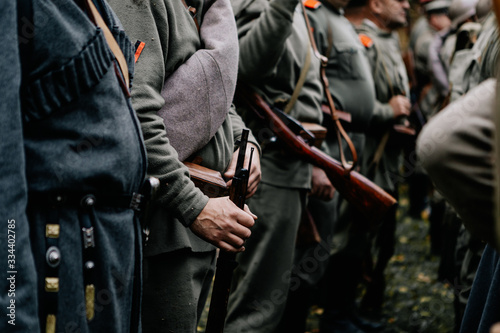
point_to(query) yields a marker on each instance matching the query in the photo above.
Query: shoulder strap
(339, 129)
(192, 11)
(300, 82)
(96, 17)
(330, 39)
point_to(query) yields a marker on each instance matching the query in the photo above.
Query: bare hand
(322, 188)
(255, 174)
(224, 225)
(400, 105)
(495, 328)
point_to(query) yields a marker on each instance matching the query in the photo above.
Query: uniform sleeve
(382, 115)
(177, 192)
(456, 149)
(19, 281)
(263, 26)
(198, 104)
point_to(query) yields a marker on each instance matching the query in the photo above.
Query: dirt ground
(416, 302)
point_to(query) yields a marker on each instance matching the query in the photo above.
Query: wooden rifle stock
(358, 190)
(209, 181)
(226, 261)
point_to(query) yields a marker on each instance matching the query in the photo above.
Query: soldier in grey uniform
(274, 51)
(436, 14)
(73, 162)
(442, 49)
(456, 148)
(349, 76)
(183, 90)
(376, 22)
(426, 94)
(469, 67)
(465, 69)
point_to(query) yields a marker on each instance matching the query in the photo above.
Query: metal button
(53, 256)
(89, 265)
(88, 201)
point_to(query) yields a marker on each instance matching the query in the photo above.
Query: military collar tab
(312, 4)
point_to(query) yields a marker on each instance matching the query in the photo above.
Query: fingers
(229, 174)
(224, 225)
(321, 187)
(253, 182)
(229, 248)
(247, 210)
(323, 192)
(405, 105)
(327, 193)
(401, 105)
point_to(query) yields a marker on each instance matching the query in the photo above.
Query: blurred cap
(460, 11)
(435, 5)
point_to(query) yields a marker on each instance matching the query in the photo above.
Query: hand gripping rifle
(226, 262)
(363, 194)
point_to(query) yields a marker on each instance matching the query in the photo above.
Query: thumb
(231, 169)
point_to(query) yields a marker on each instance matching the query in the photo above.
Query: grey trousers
(176, 287)
(262, 278)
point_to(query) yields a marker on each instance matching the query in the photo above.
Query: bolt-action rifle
(358, 190)
(226, 261)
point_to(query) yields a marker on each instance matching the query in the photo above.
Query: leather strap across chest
(339, 129)
(113, 45)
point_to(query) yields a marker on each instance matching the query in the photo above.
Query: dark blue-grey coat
(67, 128)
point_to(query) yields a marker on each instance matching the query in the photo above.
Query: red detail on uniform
(139, 49)
(313, 4)
(365, 40)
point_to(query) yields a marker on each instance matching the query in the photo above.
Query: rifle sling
(192, 11)
(300, 83)
(339, 129)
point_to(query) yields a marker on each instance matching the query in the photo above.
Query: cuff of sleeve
(387, 113)
(187, 204)
(190, 212)
(383, 114)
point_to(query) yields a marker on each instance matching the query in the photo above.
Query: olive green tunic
(182, 93)
(274, 44)
(390, 77)
(173, 45)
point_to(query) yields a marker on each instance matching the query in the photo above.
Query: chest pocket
(347, 55)
(63, 82)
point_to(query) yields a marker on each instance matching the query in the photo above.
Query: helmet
(460, 11)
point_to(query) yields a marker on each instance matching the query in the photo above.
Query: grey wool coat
(67, 130)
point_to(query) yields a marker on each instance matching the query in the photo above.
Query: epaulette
(365, 40)
(312, 4)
